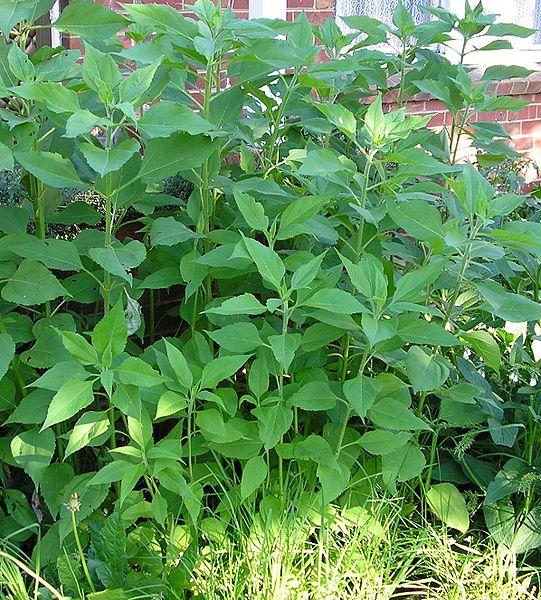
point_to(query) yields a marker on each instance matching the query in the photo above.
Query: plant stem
(80, 551)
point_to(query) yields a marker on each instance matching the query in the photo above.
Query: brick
(431, 105)
(532, 128)
(514, 128)
(437, 120)
(521, 144)
(325, 3)
(299, 4)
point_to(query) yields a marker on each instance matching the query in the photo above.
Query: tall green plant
(346, 287)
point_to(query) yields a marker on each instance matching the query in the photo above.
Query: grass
(295, 553)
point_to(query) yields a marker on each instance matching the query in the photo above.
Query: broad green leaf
(100, 71)
(274, 420)
(120, 259)
(179, 365)
(89, 427)
(78, 347)
(33, 450)
(55, 254)
(374, 122)
(448, 504)
(170, 403)
(361, 393)
(403, 464)
(251, 210)
(32, 284)
(90, 20)
(221, 368)
(110, 335)
(55, 96)
(245, 304)
(254, 473)
(381, 442)
(105, 161)
(179, 152)
(315, 395)
(340, 117)
(418, 218)
(136, 371)
(420, 331)
(284, 347)
(80, 123)
(368, 278)
(508, 306)
(393, 414)
(7, 352)
(53, 169)
(426, 372)
(411, 285)
(485, 346)
(133, 87)
(72, 397)
(165, 118)
(306, 273)
(167, 231)
(335, 301)
(268, 263)
(239, 337)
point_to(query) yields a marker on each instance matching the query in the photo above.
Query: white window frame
(56, 36)
(268, 9)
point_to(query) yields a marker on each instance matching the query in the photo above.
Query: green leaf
(72, 397)
(510, 29)
(335, 301)
(78, 347)
(268, 263)
(499, 72)
(105, 161)
(89, 427)
(306, 273)
(57, 98)
(7, 352)
(420, 331)
(254, 474)
(100, 71)
(418, 218)
(33, 450)
(315, 395)
(403, 464)
(32, 284)
(284, 347)
(179, 365)
(510, 307)
(361, 393)
(340, 117)
(274, 420)
(90, 20)
(374, 122)
(110, 335)
(381, 442)
(252, 211)
(167, 231)
(170, 403)
(485, 346)
(179, 152)
(426, 372)
(120, 259)
(245, 304)
(54, 254)
(368, 278)
(393, 414)
(221, 368)
(239, 337)
(133, 87)
(50, 168)
(448, 504)
(165, 118)
(136, 371)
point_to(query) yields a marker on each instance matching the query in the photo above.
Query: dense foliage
(324, 307)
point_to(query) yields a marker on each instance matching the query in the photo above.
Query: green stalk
(36, 195)
(80, 551)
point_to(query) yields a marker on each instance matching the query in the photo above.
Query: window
(383, 11)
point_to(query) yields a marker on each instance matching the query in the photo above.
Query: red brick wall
(317, 11)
